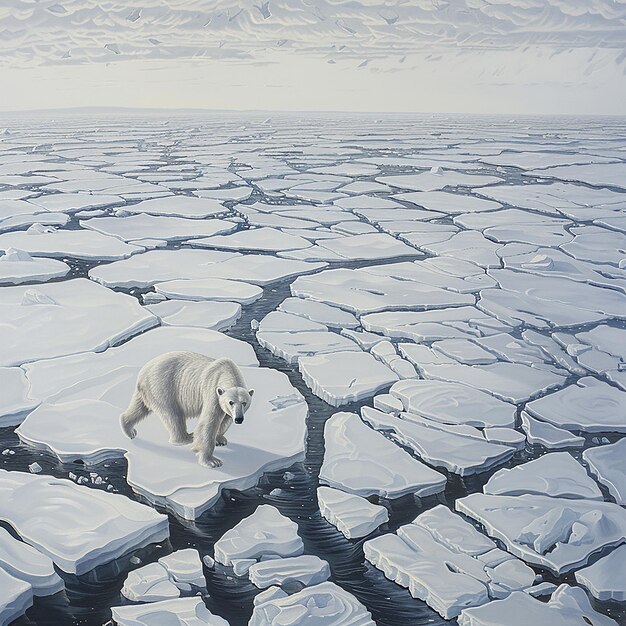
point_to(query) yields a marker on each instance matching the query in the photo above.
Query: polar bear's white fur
(181, 385)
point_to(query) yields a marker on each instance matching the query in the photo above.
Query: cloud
(56, 32)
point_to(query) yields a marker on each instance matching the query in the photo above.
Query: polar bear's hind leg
(135, 412)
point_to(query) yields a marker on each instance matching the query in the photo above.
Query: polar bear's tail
(136, 411)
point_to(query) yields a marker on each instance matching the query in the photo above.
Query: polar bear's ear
(251, 392)
(220, 391)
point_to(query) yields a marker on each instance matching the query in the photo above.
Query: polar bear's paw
(221, 441)
(211, 462)
(129, 431)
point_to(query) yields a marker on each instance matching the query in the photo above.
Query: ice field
(431, 311)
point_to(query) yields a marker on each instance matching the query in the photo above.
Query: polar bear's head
(235, 401)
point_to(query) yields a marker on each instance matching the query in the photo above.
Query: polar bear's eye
(231, 403)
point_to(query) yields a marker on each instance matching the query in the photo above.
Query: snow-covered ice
(361, 461)
(353, 515)
(325, 604)
(345, 376)
(439, 558)
(547, 435)
(555, 474)
(215, 289)
(18, 266)
(305, 569)
(16, 596)
(556, 533)
(204, 314)
(264, 532)
(68, 536)
(606, 463)
(40, 322)
(568, 606)
(606, 578)
(28, 564)
(181, 611)
(460, 450)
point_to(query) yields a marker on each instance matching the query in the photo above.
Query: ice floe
(101, 384)
(353, 515)
(325, 604)
(265, 532)
(206, 314)
(14, 402)
(344, 376)
(443, 560)
(606, 463)
(18, 266)
(452, 403)
(181, 611)
(559, 534)
(556, 474)
(305, 569)
(28, 564)
(547, 435)
(38, 323)
(80, 244)
(144, 226)
(568, 606)
(213, 289)
(606, 578)
(361, 461)
(589, 405)
(68, 536)
(183, 206)
(16, 596)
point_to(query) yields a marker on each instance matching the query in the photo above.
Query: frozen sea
(338, 259)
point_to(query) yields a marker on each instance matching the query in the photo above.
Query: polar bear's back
(186, 377)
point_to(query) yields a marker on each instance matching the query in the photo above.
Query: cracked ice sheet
(16, 597)
(17, 266)
(181, 611)
(216, 289)
(548, 262)
(73, 202)
(101, 385)
(556, 474)
(574, 201)
(451, 274)
(606, 463)
(359, 460)
(257, 239)
(597, 174)
(144, 226)
(14, 401)
(597, 245)
(158, 266)
(359, 291)
(449, 203)
(549, 301)
(589, 405)
(462, 451)
(568, 606)
(182, 206)
(452, 403)
(543, 160)
(606, 578)
(556, 533)
(28, 564)
(68, 536)
(208, 314)
(352, 515)
(38, 323)
(345, 376)
(434, 181)
(446, 562)
(291, 346)
(459, 321)
(325, 603)
(80, 244)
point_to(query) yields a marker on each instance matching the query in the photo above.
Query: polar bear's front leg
(204, 439)
(220, 440)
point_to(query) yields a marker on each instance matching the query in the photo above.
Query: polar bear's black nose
(239, 420)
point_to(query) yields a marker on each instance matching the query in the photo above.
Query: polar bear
(181, 385)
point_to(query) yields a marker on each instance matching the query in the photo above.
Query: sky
(440, 56)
